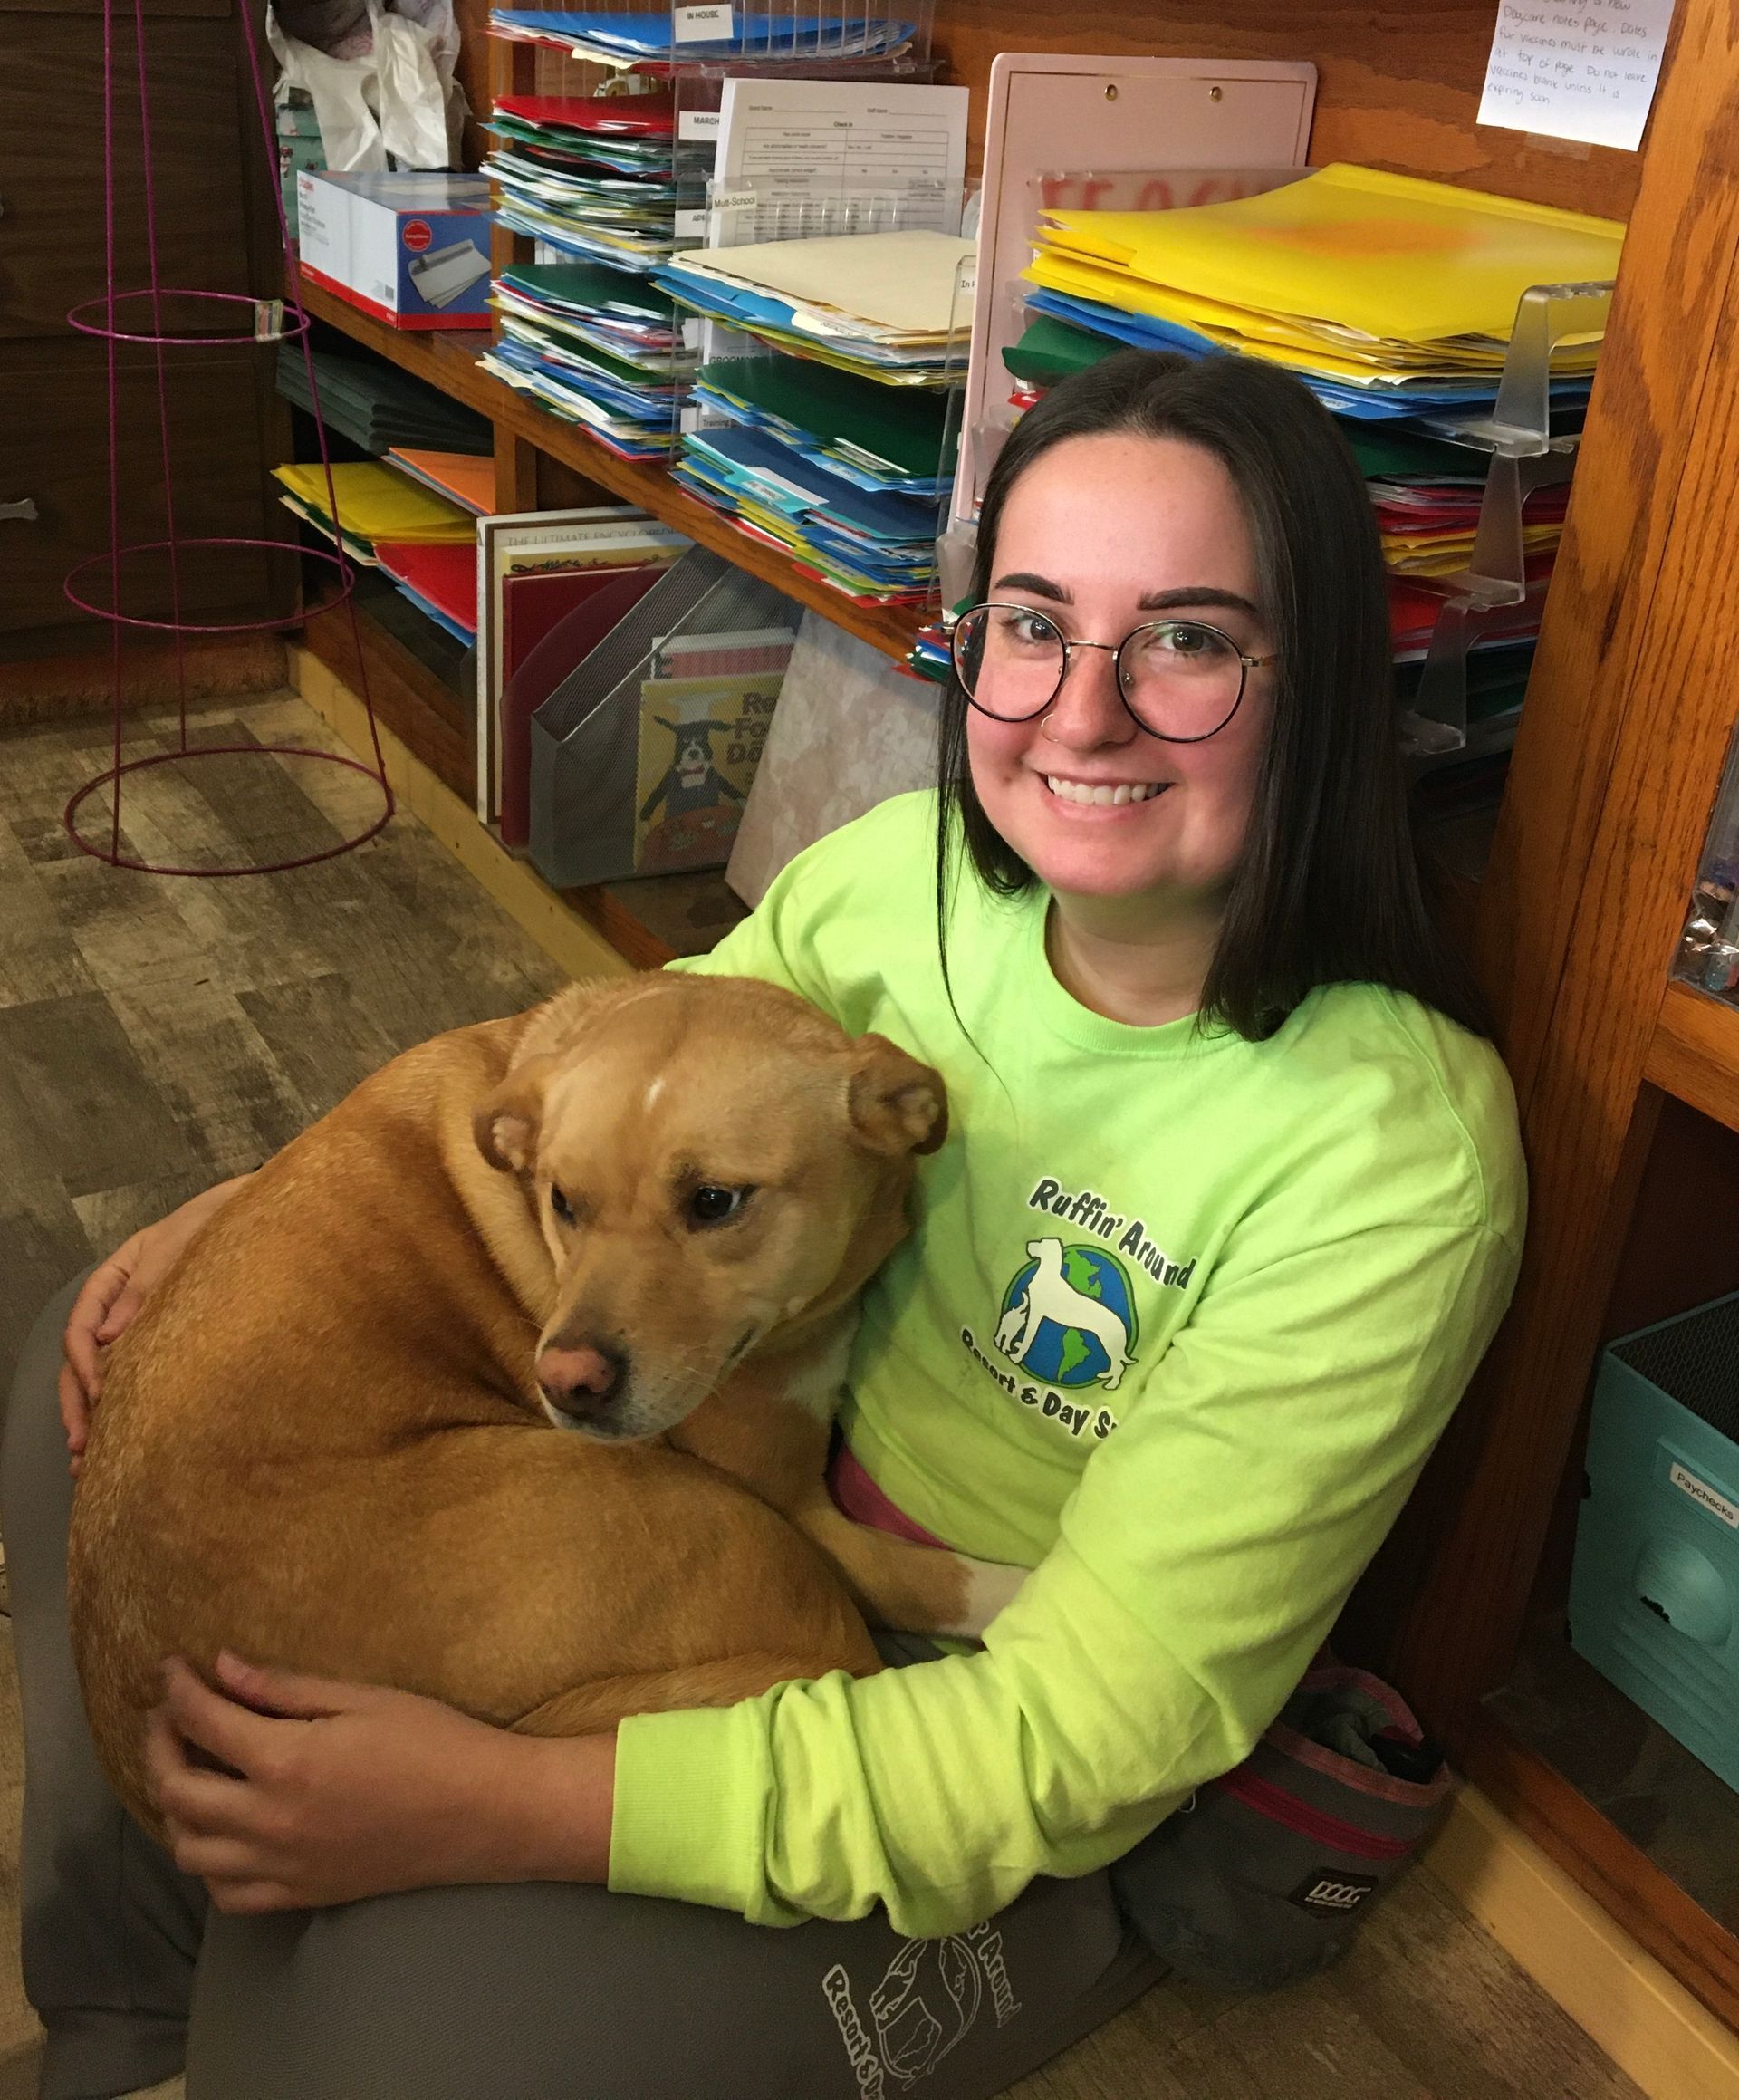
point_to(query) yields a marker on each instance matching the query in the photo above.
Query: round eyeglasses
(1180, 679)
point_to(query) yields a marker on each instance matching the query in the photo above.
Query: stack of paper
(625, 40)
(456, 476)
(373, 504)
(1389, 297)
(842, 474)
(594, 176)
(1394, 300)
(894, 307)
(1427, 495)
(596, 346)
(377, 406)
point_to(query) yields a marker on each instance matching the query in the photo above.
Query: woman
(1232, 1209)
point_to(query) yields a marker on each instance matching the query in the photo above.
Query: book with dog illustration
(701, 739)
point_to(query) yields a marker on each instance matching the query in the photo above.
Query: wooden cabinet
(1627, 719)
(215, 232)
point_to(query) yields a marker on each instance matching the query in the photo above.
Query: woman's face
(1100, 535)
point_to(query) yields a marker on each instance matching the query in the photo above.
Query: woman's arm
(337, 1791)
(1203, 1559)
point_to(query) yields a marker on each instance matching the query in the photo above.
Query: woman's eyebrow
(1196, 594)
(1041, 586)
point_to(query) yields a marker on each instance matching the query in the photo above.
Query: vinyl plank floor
(156, 1033)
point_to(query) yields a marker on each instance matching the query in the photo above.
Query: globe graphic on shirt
(1050, 1348)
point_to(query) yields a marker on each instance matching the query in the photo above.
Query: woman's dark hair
(1329, 888)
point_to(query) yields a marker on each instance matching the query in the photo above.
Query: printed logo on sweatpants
(1331, 1893)
(928, 1998)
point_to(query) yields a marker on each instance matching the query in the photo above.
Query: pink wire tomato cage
(184, 318)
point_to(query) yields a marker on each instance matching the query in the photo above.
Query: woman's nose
(1088, 710)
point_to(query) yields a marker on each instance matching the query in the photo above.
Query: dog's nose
(578, 1380)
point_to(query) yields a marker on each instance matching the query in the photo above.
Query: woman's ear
(896, 1103)
(508, 1121)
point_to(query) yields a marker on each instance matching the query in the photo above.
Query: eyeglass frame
(1114, 650)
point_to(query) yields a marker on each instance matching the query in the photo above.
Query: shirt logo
(1068, 1316)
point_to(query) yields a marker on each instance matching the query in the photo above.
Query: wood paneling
(56, 451)
(406, 694)
(52, 256)
(1398, 85)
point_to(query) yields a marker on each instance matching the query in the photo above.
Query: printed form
(795, 147)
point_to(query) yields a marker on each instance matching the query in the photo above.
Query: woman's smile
(1102, 794)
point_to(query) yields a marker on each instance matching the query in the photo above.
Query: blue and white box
(1654, 1593)
(411, 249)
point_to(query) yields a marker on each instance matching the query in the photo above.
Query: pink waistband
(856, 1496)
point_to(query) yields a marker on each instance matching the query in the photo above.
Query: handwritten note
(1576, 68)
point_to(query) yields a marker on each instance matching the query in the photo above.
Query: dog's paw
(991, 1587)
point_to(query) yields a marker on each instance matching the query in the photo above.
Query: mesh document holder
(1654, 1600)
(643, 755)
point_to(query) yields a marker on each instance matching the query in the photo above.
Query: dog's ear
(506, 1121)
(896, 1104)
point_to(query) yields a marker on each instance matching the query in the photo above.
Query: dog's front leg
(912, 1588)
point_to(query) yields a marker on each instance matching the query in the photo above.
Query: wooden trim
(1629, 2005)
(1621, 749)
(1693, 1053)
(1690, 1944)
(434, 355)
(81, 680)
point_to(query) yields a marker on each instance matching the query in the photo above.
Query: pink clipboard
(1087, 119)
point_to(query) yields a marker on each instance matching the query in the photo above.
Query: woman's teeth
(1104, 797)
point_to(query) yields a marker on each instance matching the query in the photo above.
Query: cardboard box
(410, 248)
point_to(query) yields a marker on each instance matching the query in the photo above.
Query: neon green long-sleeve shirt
(1181, 1319)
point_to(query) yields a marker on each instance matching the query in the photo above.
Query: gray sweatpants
(537, 1990)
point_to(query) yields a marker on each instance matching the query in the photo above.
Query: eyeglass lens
(1180, 678)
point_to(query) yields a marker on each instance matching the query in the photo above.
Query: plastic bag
(380, 80)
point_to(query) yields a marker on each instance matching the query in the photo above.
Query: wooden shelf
(1693, 1053)
(447, 359)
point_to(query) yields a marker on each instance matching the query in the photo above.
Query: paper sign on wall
(1576, 68)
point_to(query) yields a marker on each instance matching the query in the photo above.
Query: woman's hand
(337, 1791)
(112, 1294)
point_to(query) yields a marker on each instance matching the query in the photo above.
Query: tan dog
(333, 1439)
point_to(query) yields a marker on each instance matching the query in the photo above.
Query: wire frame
(181, 318)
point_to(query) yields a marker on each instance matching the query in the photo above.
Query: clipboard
(1140, 114)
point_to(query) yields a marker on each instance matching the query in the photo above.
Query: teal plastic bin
(1654, 1595)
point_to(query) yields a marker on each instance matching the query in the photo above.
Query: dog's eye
(558, 1203)
(710, 1205)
